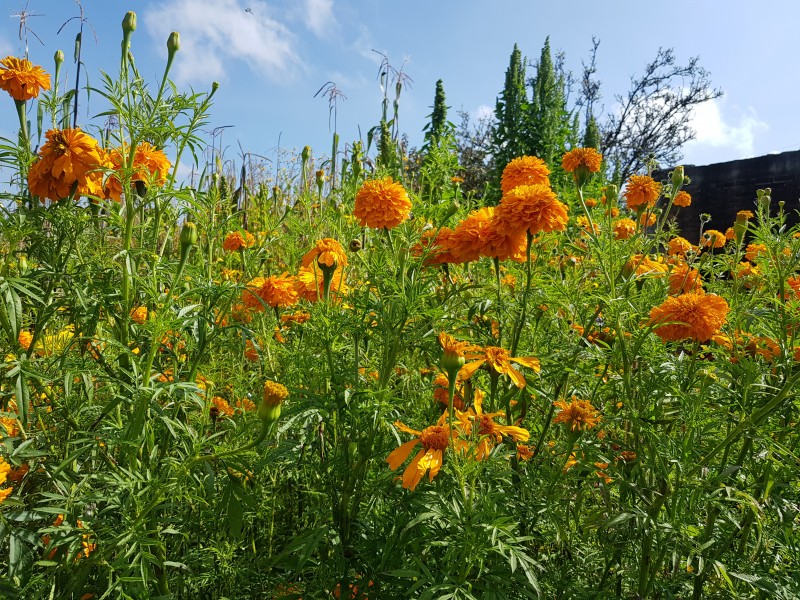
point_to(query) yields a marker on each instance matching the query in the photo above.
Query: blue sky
(271, 56)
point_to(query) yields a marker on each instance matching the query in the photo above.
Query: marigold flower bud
(306, 153)
(677, 177)
(173, 42)
(58, 57)
(270, 408)
(129, 22)
(189, 234)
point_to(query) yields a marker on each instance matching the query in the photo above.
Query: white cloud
(482, 112)
(319, 17)
(722, 136)
(216, 32)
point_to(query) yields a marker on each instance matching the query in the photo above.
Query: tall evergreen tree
(436, 127)
(548, 122)
(591, 137)
(440, 151)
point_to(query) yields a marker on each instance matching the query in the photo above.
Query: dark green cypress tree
(548, 123)
(436, 127)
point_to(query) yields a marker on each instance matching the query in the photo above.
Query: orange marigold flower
(624, 228)
(453, 353)
(499, 360)
(309, 283)
(434, 245)
(219, 406)
(235, 241)
(578, 415)
(647, 219)
(641, 190)
(250, 351)
(382, 204)
(68, 161)
(591, 202)
(440, 392)
(491, 433)
(588, 158)
(744, 215)
(755, 252)
(695, 316)
(22, 79)
(683, 199)
(465, 240)
(678, 245)
(327, 252)
(498, 242)
(139, 315)
(532, 208)
(524, 452)
(713, 239)
(730, 234)
(683, 279)
(276, 291)
(434, 440)
(794, 283)
(524, 170)
(150, 165)
(24, 339)
(644, 266)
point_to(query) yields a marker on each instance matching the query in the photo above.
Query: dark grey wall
(723, 189)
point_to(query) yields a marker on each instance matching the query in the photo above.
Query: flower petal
(400, 454)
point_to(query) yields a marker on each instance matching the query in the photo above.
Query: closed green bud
(129, 22)
(58, 57)
(174, 42)
(189, 234)
(306, 153)
(677, 178)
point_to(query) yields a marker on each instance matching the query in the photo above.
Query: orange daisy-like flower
(644, 266)
(683, 279)
(589, 158)
(309, 283)
(235, 241)
(68, 161)
(499, 360)
(382, 204)
(490, 433)
(624, 228)
(678, 246)
(713, 239)
(683, 199)
(532, 208)
(695, 316)
(434, 440)
(641, 190)
(22, 79)
(327, 252)
(277, 291)
(525, 170)
(578, 415)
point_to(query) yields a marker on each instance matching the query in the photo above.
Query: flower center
(434, 438)
(60, 145)
(486, 426)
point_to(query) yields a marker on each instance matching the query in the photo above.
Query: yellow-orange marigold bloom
(434, 244)
(382, 204)
(24, 339)
(589, 158)
(683, 199)
(578, 415)
(524, 170)
(755, 252)
(235, 241)
(22, 79)
(532, 208)
(328, 252)
(274, 393)
(647, 219)
(309, 283)
(250, 351)
(219, 406)
(794, 283)
(276, 291)
(139, 315)
(69, 158)
(434, 440)
(644, 266)
(713, 239)
(499, 360)
(465, 240)
(641, 190)
(683, 279)
(695, 316)
(498, 242)
(624, 228)
(490, 433)
(678, 245)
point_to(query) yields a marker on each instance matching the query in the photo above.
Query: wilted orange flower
(434, 440)
(499, 360)
(532, 208)
(524, 170)
(328, 252)
(713, 239)
(763, 346)
(22, 79)
(641, 190)
(682, 199)
(678, 245)
(68, 159)
(139, 315)
(589, 158)
(235, 241)
(524, 452)
(578, 415)
(683, 279)
(694, 316)
(276, 291)
(624, 228)
(440, 392)
(382, 203)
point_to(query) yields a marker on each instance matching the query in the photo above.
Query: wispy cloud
(722, 136)
(319, 17)
(216, 32)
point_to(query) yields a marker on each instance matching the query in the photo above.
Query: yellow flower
(328, 252)
(524, 170)
(139, 314)
(578, 415)
(499, 360)
(641, 190)
(69, 161)
(624, 228)
(490, 433)
(382, 204)
(25, 338)
(21, 79)
(272, 400)
(434, 440)
(695, 316)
